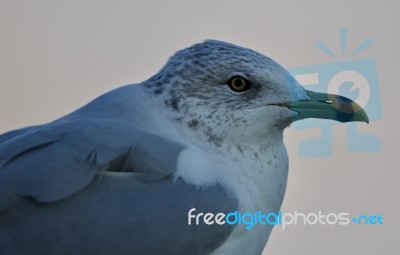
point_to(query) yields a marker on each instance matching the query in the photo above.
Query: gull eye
(239, 84)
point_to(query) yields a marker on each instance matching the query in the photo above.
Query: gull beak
(328, 106)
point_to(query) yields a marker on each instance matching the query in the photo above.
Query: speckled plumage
(193, 85)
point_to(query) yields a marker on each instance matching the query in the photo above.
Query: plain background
(56, 56)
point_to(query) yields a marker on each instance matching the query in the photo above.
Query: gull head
(225, 92)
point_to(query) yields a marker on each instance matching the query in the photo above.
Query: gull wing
(53, 161)
(119, 215)
(100, 186)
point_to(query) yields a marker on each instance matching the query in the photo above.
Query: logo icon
(353, 78)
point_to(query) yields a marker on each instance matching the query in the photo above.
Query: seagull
(126, 173)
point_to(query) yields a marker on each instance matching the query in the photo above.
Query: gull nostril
(326, 101)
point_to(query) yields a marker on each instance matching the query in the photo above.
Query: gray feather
(118, 214)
